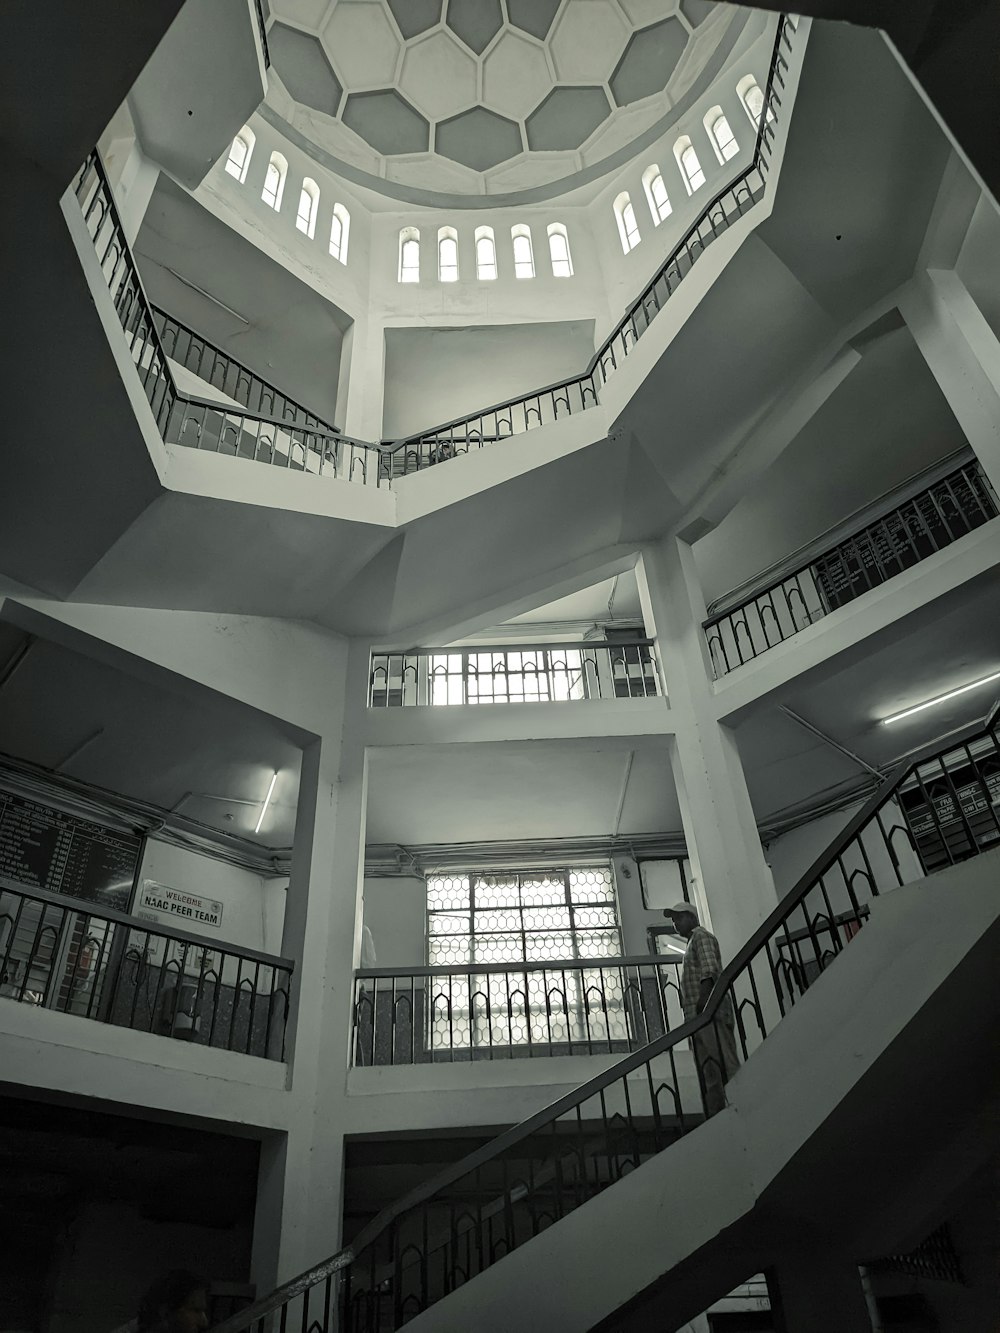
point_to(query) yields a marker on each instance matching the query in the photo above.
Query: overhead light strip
(267, 802)
(941, 699)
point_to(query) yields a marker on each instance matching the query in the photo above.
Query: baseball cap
(682, 907)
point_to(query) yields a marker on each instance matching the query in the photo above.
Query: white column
(300, 1186)
(361, 383)
(963, 354)
(732, 883)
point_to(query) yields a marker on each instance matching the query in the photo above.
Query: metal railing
(214, 365)
(875, 553)
(510, 1011)
(96, 963)
(938, 809)
(514, 416)
(203, 423)
(262, 28)
(315, 448)
(511, 673)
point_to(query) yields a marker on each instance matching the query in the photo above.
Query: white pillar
(732, 883)
(361, 383)
(300, 1186)
(963, 354)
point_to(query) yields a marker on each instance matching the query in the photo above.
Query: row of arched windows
(723, 141)
(487, 268)
(238, 164)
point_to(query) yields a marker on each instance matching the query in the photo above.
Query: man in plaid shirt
(715, 1054)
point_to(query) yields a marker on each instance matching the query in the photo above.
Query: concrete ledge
(518, 722)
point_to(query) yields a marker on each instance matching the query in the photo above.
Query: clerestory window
(238, 162)
(340, 228)
(628, 228)
(690, 167)
(524, 255)
(447, 254)
(305, 218)
(721, 134)
(559, 256)
(274, 181)
(752, 96)
(656, 194)
(409, 255)
(486, 254)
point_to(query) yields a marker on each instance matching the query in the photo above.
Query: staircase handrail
(636, 1059)
(576, 645)
(526, 965)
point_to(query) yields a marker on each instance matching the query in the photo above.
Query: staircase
(884, 951)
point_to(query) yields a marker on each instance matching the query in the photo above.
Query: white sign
(190, 908)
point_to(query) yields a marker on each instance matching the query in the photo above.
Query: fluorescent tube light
(267, 802)
(941, 698)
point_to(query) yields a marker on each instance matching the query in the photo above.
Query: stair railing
(319, 449)
(937, 809)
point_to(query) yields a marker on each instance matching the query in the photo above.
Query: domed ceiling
(424, 98)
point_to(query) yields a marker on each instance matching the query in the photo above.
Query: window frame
(343, 217)
(308, 190)
(447, 272)
(746, 84)
(682, 147)
(409, 272)
(724, 151)
(556, 232)
(628, 226)
(522, 232)
(279, 163)
(485, 234)
(650, 178)
(246, 137)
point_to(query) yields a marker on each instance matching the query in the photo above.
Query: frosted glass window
(238, 162)
(723, 138)
(752, 96)
(409, 255)
(305, 218)
(447, 255)
(690, 167)
(340, 227)
(656, 195)
(628, 228)
(274, 182)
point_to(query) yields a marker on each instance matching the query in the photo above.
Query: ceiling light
(941, 698)
(267, 801)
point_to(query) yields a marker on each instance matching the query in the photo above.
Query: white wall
(791, 855)
(395, 911)
(252, 905)
(435, 374)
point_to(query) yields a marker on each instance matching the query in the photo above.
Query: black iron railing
(262, 28)
(514, 673)
(203, 423)
(210, 363)
(61, 954)
(941, 808)
(510, 1011)
(875, 553)
(314, 447)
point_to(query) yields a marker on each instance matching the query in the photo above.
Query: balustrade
(509, 1011)
(523, 673)
(59, 953)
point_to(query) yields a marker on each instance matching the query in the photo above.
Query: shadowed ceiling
(490, 97)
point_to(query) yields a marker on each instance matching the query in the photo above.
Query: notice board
(45, 848)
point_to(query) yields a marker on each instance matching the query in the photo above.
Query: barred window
(507, 677)
(548, 916)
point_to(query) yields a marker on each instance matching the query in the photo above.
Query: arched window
(340, 229)
(447, 254)
(721, 134)
(628, 228)
(238, 162)
(752, 96)
(409, 255)
(274, 181)
(524, 256)
(562, 264)
(486, 254)
(690, 167)
(656, 194)
(305, 219)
